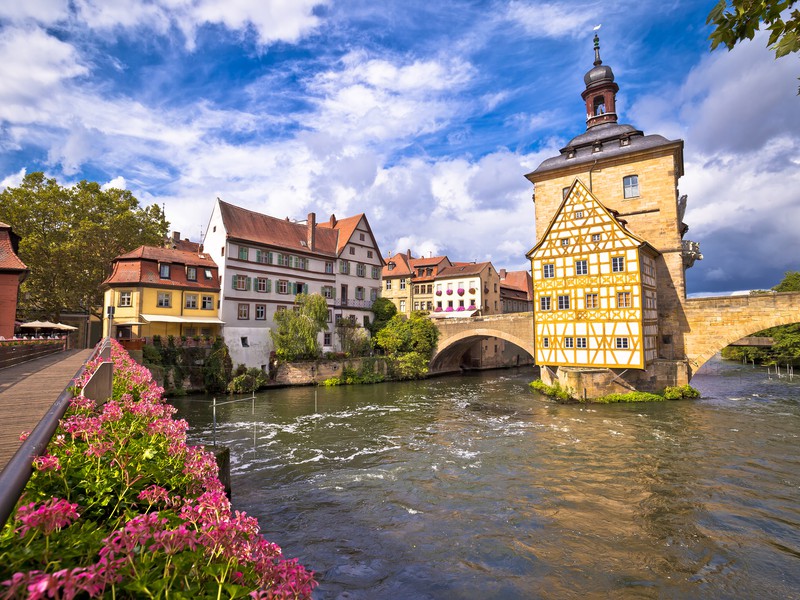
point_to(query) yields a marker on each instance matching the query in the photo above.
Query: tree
(790, 282)
(410, 342)
(383, 310)
(295, 338)
(732, 27)
(353, 339)
(70, 235)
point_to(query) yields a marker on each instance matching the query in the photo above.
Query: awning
(47, 325)
(118, 323)
(175, 319)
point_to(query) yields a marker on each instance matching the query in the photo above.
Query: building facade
(265, 262)
(161, 291)
(516, 291)
(12, 273)
(467, 289)
(629, 183)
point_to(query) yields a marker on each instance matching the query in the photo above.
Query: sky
(423, 115)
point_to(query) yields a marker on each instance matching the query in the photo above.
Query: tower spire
(601, 91)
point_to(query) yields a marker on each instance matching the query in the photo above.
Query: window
(578, 214)
(402, 306)
(352, 250)
(545, 342)
(581, 267)
(565, 241)
(124, 299)
(361, 270)
(549, 271)
(617, 264)
(190, 301)
(330, 316)
(326, 339)
(359, 293)
(569, 342)
(329, 267)
(369, 253)
(623, 299)
(373, 294)
(191, 273)
(621, 343)
(376, 274)
(630, 186)
(261, 312)
(207, 302)
(344, 267)
(164, 300)
(580, 342)
(163, 271)
(563, 302)
(244, 311)
(388, 284)
(239, 282)
(544, 303)
(591, 301)
(245, 342)
(403, 283)
(262, 284)
(595, 237)
(283, 286)
(327, 292)
(243, 252)
(361, 237)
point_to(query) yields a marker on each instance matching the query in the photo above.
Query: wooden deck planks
(28, 390)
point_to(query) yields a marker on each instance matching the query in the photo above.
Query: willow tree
(297, 332)
(70, 235)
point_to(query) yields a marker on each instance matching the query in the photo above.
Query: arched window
(630, 186)
(599, 105)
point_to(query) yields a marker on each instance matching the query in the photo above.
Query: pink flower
(53, 514)
(46, 462)
(24, 436)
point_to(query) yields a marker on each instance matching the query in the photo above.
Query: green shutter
(293, 288)
(269, 257)
(333, 292)
(258, 255)
(305, 288)
(269, 286)
(233, 282)
(247, 283)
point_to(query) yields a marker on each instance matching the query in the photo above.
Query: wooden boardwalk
(28, 390)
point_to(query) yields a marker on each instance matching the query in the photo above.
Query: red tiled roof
(401, 268)
(346, 228)
(463, 269)
(518, 280)
(141, 267)
(9, 261)
(251, 226)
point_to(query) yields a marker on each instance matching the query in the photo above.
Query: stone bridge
(709, 324)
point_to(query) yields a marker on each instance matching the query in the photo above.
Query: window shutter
(258, 255)
(233, 282)
(305, 288)
(333, 292)
(269, 257)
(269, 286)
(247, 283)
(293, 288)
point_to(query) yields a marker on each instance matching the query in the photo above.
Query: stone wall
(586, 383)
(307, 373)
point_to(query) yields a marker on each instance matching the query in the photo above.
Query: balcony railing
(353, 303)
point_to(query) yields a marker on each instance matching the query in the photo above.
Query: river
(476, 487)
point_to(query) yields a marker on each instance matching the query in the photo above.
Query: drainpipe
(590, 174)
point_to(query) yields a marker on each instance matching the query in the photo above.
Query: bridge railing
(17, 472)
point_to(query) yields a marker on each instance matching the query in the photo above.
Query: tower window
(599, 105)
(630, 186)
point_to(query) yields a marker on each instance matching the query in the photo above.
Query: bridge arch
(715, 323)
(457, 336)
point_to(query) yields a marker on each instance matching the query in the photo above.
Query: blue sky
(423, 115)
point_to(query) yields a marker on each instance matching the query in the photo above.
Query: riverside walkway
(28, 390)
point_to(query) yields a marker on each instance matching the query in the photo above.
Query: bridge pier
(594, 382)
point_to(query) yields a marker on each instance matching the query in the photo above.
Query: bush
(683, 392)
(554, 391)
(122, 507)
(250, 381)
(628, 397)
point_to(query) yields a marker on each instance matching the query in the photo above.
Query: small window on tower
(630, 186)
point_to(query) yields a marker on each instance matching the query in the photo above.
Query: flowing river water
(476, 487)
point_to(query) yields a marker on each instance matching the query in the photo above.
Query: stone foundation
(306, 373)
(585, 383)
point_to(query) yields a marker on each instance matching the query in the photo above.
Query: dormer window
(191, 273)
(163, 271)
(391, 266)
(597, 147)
(208, 274)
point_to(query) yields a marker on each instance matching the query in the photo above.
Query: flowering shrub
(449, 292)
(438, 292)
(449, 309)
(460, 291)
(460, 308)
(437, 309)
(472, 307)
(122, 507)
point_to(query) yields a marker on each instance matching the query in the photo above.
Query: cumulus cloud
(14, 179)
(551, 19)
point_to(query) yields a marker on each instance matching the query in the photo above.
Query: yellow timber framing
(613, 262)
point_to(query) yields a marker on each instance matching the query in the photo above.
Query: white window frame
(164, 300)
(548, 271)
(125, 298)
(563, 302)
(617, 264)
(621, 343)
(630, 186)
(581, 267)
(190, 301)
(545, 303)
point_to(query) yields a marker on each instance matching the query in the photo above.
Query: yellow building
(610, 247)
(161, 291)
(595, 289)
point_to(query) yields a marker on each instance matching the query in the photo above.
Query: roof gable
(595, 219)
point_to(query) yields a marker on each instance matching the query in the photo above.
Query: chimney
(502, 273)
(312, 230)
(176, 236)
(408, 254)
(333, 221)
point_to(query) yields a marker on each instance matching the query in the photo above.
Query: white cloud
(14, 179)
(553, 20)
(117, 183)
(41, 11)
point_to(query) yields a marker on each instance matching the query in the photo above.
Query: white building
(264, 262)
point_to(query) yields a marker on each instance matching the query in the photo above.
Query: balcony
(353, 303)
